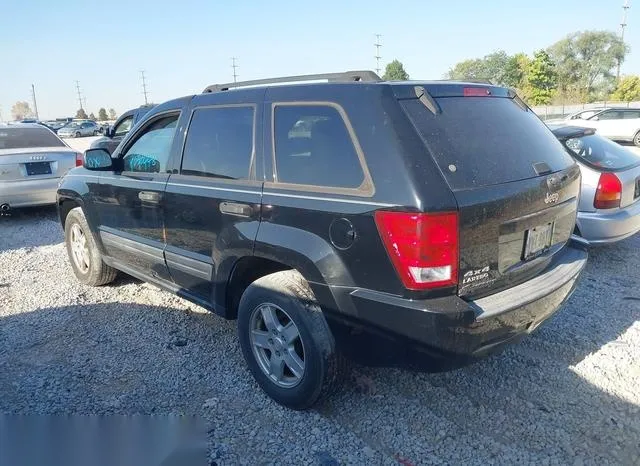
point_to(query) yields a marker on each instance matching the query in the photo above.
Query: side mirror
(108, 132)
(595, 118)
(97, 159)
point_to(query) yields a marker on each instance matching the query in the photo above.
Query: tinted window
(313, 147)
(219, 143)
(21, 138)
(610, 115)
(487, 140)
(600, 152)
(150, 152)
(631, 114)
(123, 127)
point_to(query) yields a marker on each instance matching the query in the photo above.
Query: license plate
(38, 168)
(538, 239)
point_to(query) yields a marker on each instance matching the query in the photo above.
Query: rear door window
(23, 138)
(219, 143)
(601, 153)
(610, 115)
(482, 141)
(313, 147)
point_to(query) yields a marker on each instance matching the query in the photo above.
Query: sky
(185, 45)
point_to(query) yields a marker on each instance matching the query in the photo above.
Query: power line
(144, 87)
(234, 66)
(79, 95)
(378, 57)
(623, 25)
(35, 105)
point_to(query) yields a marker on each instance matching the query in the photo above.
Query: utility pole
(35, 105)
(378, 57)
(234, 66)
(79, 95)
(144, 87)
(623, 24)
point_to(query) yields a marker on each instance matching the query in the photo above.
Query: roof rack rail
(347, 76)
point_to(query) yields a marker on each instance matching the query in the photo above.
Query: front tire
(95, 133)
(636, 139)
(77, 134)
(286, 341)
(84, 255)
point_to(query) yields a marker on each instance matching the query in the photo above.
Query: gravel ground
(566, 395)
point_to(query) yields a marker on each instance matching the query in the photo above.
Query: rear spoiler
(568, 132)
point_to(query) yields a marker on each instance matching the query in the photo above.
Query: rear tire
(95, 132)
(84, 255)
(78, 134)
(636, 139)
(298, 343)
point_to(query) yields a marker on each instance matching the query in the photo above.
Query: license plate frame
(38, 168)
(538, 240)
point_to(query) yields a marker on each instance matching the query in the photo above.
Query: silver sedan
(32, 161)
(77, 129)
(609, 207)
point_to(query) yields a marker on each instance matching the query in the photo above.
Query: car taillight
(423, 247)
(609, 192)
(78, 159)
(476, 92)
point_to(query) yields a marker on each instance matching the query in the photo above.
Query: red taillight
(609, 192)
(423, 247)
(78, 159)
(476, 92)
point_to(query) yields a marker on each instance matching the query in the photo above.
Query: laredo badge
(477, 275)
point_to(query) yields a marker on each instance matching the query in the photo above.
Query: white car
(618, 124)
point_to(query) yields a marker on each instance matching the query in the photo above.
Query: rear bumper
(26, 193)
(452, 327)
(604, 227)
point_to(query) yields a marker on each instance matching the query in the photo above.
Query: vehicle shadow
(534, 402)
(17, 228)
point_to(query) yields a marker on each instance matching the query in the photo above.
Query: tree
(112, 114)
(21, 110)
(628, 89)
(81, 114)
(394, 71)
(542, 79)
(585, 62)
(92, 116)
(102, 114)
(497, 67)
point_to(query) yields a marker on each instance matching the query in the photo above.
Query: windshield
(22, 138)
(585, 114)
(601, 153)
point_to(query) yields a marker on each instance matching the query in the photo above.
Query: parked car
(581, 115)
(76, 129)
(618, 124)
(114, 135)
(32, 161)
(435, 215)
(609, 208)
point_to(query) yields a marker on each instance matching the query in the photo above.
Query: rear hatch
(604, 155)
(33, 153)
(516, 187)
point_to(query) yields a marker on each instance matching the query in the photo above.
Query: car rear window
(482, 141)
(24, 138)
(601, 153)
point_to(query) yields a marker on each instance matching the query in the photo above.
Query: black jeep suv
(435, 215)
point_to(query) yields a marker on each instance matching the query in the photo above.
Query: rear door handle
(237, 209)
(149, 196)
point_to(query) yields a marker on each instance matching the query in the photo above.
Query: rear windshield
(601, 153)
(24, 138)
(481, 141)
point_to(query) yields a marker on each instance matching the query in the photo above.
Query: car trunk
(35, 163)
(516, 188)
